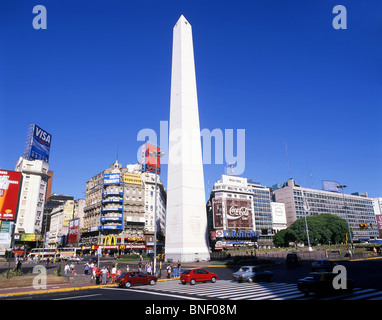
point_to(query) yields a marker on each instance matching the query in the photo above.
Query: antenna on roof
(229, 171)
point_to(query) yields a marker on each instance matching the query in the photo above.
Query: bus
(43, 253)
(68, 253)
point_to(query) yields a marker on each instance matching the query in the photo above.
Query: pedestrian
(127, 268)
(140, 266)
(168, 271)
(113, 274)
(175, 271)
(72, 267)
(87, 268)
(98, 275)
(66, 268)
(18, 266)
(119, 272)
(148, 270)
(104, 275)
(179, 268)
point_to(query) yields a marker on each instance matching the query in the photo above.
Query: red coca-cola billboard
(10, 182)
(239, 214)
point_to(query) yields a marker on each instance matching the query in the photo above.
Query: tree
(323, 229)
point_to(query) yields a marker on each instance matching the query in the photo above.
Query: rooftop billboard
(38, 143)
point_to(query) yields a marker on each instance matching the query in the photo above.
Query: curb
(26, 293)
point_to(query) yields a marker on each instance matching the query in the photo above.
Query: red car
(131, 278)
(194, 275)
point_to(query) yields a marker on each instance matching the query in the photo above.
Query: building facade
(32, 198)
(356, 209)
(119, 209)
(239, 214)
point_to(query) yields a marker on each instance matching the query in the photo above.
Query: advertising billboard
(330, 186)
(132, 178)
(152, 161)
(217, 205)
(111, 178)
(68, 212)
(379, 221)
(239, 214)
(74, 232)
(38, 144)
(10, 183)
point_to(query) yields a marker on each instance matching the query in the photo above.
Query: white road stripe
(372, 294)
(154, 293)
(76, 297)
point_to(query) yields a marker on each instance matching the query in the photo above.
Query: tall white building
(355, 209)
(32, 197)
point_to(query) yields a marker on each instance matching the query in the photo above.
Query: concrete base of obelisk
(186, 256)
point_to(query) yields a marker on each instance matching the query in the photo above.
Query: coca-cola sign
(239, 213)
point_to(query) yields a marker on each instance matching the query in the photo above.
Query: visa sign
(38, 147)
(42, 135)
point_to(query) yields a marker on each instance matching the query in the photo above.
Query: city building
(356, 208)
(244, 207)
(54, 201)
(119, 209)
(29, 221)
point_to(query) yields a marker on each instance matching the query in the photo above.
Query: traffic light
(363, 226)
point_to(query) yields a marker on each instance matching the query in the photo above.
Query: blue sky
(101, 72)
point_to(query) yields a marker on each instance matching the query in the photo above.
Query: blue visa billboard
(38, 144)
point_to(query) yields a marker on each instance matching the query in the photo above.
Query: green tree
(323, 229)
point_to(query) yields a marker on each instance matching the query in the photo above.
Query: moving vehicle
(43, 253)
(323, 265)
(195, 275)
(133, 278)
(252, 273)
(321, 283)
(293, 260)
(69, 253)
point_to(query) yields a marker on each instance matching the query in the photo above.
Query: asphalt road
(366, 274)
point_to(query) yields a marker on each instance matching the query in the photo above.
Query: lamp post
(342, 187)
(159, 155)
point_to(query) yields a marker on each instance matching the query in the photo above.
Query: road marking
(76, 297)
(154, 293)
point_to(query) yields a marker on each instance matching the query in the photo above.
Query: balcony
(112, 193)
(111, 218)
(119, 209)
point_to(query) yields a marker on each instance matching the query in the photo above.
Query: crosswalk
(230, 290)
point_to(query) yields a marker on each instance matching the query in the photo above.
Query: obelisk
(186, 219)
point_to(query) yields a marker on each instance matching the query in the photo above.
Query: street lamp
(158, 155)
(342, 187)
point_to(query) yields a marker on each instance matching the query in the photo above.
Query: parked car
(292, 260)
(323, 265)
(252, 273)
(132, 278)
(195, 275)
(321, 283)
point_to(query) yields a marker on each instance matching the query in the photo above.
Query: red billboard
(74, 232)
(152, 159)
(10, 183)
(239, 214)
(379, 221)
